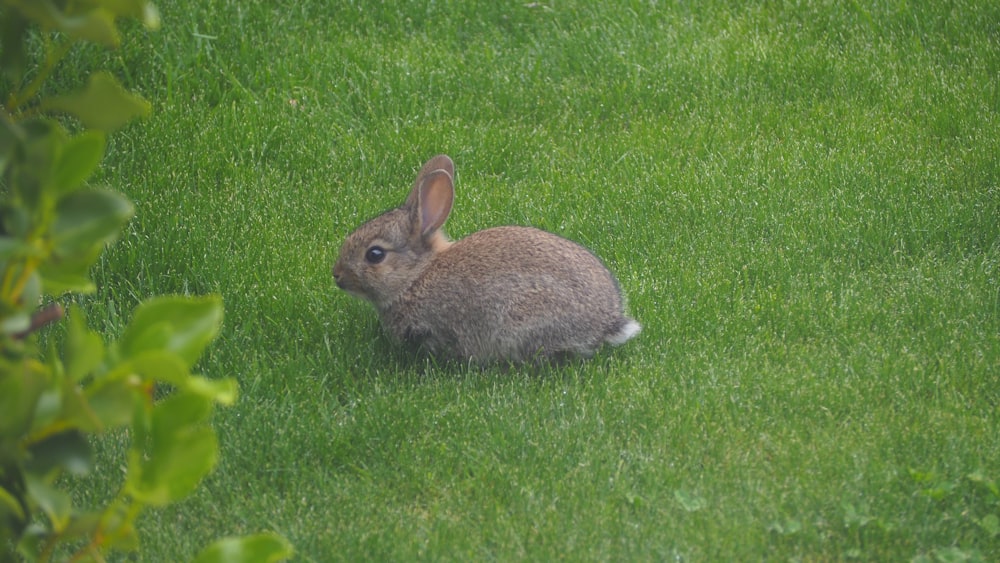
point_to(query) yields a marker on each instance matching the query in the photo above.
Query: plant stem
(48, 314)
(13, 288)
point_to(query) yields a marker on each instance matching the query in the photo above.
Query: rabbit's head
(384, 256)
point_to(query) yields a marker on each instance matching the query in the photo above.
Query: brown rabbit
(502, 294)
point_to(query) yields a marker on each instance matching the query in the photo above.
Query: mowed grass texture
(801, 201)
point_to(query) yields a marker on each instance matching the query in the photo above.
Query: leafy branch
(53, 228)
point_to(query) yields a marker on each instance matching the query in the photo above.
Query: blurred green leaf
(260, 548)
(56, 504)
(118, 529)
(13, 502)
(182, 449)
(70, 274)
(58, 284)
(112, 402)
(32, 292)
(76, 411)
(14, 322)
(47, 409)
(10, 133)
(160, 364)
(168, 367)
(82, 525)
(15, 221)
(10, 504)
(181, 325)
(95, 24)
(78, 160)
(10, 247)
(103, 104)
(88, 218)
(66, 450)
(37, 146)
(222, 391)
(13, 57)
(20, 386)
(142, 10)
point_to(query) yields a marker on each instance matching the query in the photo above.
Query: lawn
(801, 201)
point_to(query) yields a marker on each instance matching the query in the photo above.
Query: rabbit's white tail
(629, 329)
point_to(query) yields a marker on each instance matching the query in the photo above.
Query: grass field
(800, 199)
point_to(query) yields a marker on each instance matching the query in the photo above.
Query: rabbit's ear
(439, 162)
(434, 197)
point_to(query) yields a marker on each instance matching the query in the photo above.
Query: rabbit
(504, 294)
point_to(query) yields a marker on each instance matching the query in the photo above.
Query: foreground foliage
(57, 392)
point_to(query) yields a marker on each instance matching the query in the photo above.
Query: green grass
(802, 203)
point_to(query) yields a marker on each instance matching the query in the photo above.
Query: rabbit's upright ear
(435, 196)
(439, 162)
(432, 195)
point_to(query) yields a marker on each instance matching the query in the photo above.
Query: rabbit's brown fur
(506, 293)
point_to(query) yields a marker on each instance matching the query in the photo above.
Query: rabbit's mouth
(348, 283)
(354, 292)
(344, 284)
(354, 288)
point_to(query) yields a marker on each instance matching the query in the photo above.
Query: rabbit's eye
(374, 255)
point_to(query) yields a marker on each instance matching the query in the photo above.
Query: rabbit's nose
(341, 276)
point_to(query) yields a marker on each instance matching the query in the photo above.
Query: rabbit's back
(511, 293)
